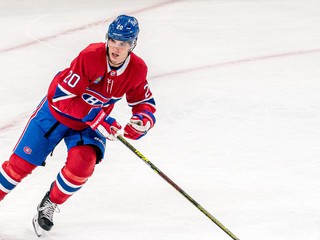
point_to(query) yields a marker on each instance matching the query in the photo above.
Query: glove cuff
(148, 115)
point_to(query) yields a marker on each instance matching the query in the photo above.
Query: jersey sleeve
(140, 98)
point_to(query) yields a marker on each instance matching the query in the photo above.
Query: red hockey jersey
(90, 83)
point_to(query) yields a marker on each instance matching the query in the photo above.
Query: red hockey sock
(79, 167)
(12, 172)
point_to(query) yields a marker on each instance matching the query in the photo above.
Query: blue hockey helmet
(124, 28)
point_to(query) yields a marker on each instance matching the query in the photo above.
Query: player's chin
(115, 61)
(115, 58)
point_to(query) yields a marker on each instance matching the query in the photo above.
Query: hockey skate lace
(48, 209)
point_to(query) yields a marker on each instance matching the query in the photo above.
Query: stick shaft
(179, 189)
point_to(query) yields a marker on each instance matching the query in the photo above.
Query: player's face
(118, 52)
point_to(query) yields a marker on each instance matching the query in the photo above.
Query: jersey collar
(121, 69)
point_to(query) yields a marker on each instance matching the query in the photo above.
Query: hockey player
(77, 109)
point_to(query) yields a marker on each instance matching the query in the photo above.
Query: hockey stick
(168, 180)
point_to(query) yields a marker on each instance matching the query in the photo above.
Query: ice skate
(43, 220)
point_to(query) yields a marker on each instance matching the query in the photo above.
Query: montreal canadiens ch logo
(27, 150)
(92, 100)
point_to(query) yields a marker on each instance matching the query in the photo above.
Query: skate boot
(43, 220)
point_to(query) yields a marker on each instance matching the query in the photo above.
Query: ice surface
(238, 95)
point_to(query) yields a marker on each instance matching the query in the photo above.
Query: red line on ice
(80, 28)
(240, 61)
(209, 66)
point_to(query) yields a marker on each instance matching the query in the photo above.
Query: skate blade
(37, 229)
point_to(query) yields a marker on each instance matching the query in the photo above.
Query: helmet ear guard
(133, 45)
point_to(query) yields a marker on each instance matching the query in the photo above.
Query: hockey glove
(104, 125)
(139, 125)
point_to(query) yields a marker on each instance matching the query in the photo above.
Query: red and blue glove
(139, 125)
(104, 125)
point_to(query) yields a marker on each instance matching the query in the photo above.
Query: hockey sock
(12, 172)
(79, 167)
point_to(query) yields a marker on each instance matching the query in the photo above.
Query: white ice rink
(238, 123)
